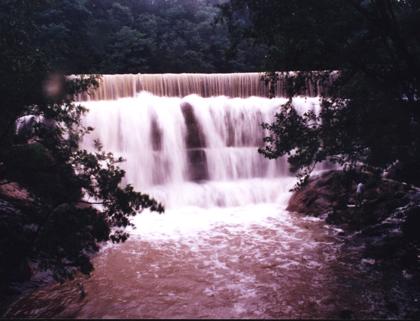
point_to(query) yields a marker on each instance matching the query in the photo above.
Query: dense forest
(370, 118)
(138, 36)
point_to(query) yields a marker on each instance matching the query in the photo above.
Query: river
(225, 247)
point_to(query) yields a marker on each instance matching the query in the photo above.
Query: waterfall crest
(205, 85)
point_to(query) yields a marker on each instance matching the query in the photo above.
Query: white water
(225, 235)
(193, 151)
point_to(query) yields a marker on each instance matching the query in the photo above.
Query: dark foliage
(53, 225)
(132, 36)
(371, 114)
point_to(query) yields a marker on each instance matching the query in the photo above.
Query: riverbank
(25, 263)
(15, 204)
(384, 227)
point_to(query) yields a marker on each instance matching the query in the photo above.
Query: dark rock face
(197, 165)
(196, 142)
(156, 134)
(321, 195)
(195, 137)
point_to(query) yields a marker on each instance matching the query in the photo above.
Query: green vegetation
(43, 174)
(132, 36)
(371, 115)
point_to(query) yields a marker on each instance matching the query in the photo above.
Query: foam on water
(194, 151)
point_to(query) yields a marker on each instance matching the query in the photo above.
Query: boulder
(333, 194)
(321, 194)
(195, 137)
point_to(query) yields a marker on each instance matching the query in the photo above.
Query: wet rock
(368, 261)
(195, 137)
(82, 292)
(14, 192)
(322, 194)
(333, 194)
(156, 134)
(197, 164)
(384, 247)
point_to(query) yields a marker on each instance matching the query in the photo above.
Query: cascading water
(193, 150)
(226, 246)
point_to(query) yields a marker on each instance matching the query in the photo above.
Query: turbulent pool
(254, 261)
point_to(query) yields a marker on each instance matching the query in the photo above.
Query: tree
(60, 229)
(127, 51)
(371, 112)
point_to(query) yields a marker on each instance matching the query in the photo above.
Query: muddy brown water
(248, 262)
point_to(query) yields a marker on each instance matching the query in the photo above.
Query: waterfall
(192, 150)
(205, 85)
(226, 246)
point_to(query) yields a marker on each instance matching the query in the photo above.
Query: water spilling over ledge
(193, 150)
(205, 85)
(192, 139)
